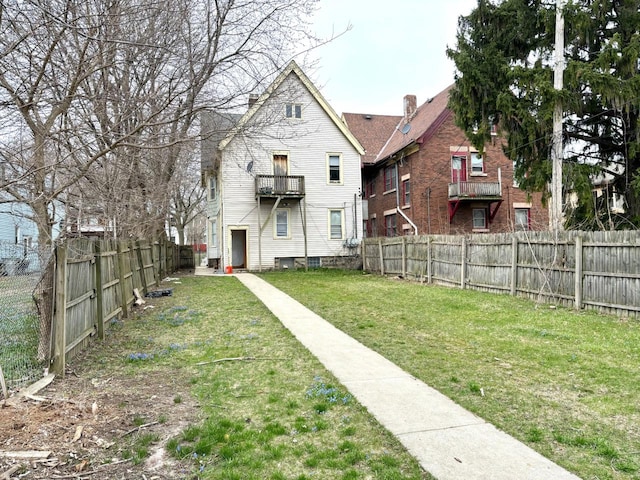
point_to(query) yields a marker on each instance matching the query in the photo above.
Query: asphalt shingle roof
(372, 131)
(427, 118)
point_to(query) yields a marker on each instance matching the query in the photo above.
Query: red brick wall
(430, 173)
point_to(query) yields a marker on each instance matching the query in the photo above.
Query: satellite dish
(406, 129)
(250, 166)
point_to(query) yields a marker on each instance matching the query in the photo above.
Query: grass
(269, 409)
(567, 383)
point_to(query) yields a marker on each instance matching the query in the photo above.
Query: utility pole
(555, 210)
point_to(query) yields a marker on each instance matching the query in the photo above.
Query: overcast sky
(394, 48)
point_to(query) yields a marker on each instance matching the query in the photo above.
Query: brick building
(422, 176)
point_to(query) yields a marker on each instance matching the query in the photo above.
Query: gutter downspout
(415, 229)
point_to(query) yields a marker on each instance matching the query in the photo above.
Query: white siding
(307, 142)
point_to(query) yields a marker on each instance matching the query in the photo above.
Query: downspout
(428, 210)
(415, 228)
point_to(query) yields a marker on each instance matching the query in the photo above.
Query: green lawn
(566, 383)
(269, 409)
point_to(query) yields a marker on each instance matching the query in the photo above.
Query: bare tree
(103, 96)
(187, 199)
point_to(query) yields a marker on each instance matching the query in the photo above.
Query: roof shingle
(427, 117)
(372, 131)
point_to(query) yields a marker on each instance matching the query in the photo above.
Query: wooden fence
(595, 270)
(94, 283)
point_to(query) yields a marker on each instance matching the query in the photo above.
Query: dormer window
(293, 110)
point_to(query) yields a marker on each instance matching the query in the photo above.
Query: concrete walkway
(448, 441)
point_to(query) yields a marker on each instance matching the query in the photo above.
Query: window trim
(394, 226)
(482, 171)
(330, 211)
(213, 225)
(370, 188)
(406, 193)
(275, 224)
(393, 179)
(293, 111)
(213, 189)
(340, 180)
(517, 225)
(484, 217)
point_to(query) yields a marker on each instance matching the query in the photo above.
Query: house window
(406, 192)
(336, 224)
(479, 218)
(390, 178)
(334, 168)
(293, 110)
(523, 218)
(369, 188)
(458, 168)
(373, 227)
(313, 262)
(477, 163)
(282, 223)
(17, 235)
(214, 234)
(212, 188)
(390, 226)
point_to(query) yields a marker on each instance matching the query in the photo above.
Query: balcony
(475, 190)
(467, 192)
(273, 186)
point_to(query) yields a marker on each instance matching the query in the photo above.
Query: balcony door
(280, 171)
(458, 168)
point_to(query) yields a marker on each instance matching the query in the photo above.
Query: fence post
(404, 258)
(578, 273)
(99, 291)
(142, 273)
(381, 256)
(163, 257)
(123, 283)
(156, 265)
(429, 271)
(60, 313)
(363, 250)
(463, 262)
(514, 265)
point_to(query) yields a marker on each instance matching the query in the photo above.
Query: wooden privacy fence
(596, 270)
(94, 283)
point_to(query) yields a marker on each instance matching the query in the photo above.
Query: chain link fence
(26, 293)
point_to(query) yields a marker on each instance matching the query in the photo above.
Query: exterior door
(280, 170)
(239, 248)
(458, 168)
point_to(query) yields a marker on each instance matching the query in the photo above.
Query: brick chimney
(410, 107)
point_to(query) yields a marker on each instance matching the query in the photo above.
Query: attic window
(293, 110)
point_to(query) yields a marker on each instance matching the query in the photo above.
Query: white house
(283, 180)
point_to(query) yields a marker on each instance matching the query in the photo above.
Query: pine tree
(504, 61)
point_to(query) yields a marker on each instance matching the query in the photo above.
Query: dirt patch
(92, 425)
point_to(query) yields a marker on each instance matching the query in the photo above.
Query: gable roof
(294, 69)
(372, 131)
(427, 118)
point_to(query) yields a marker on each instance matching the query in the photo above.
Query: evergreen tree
(504, 61)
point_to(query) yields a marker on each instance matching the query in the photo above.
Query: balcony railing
(280, 185)
(475, 189)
